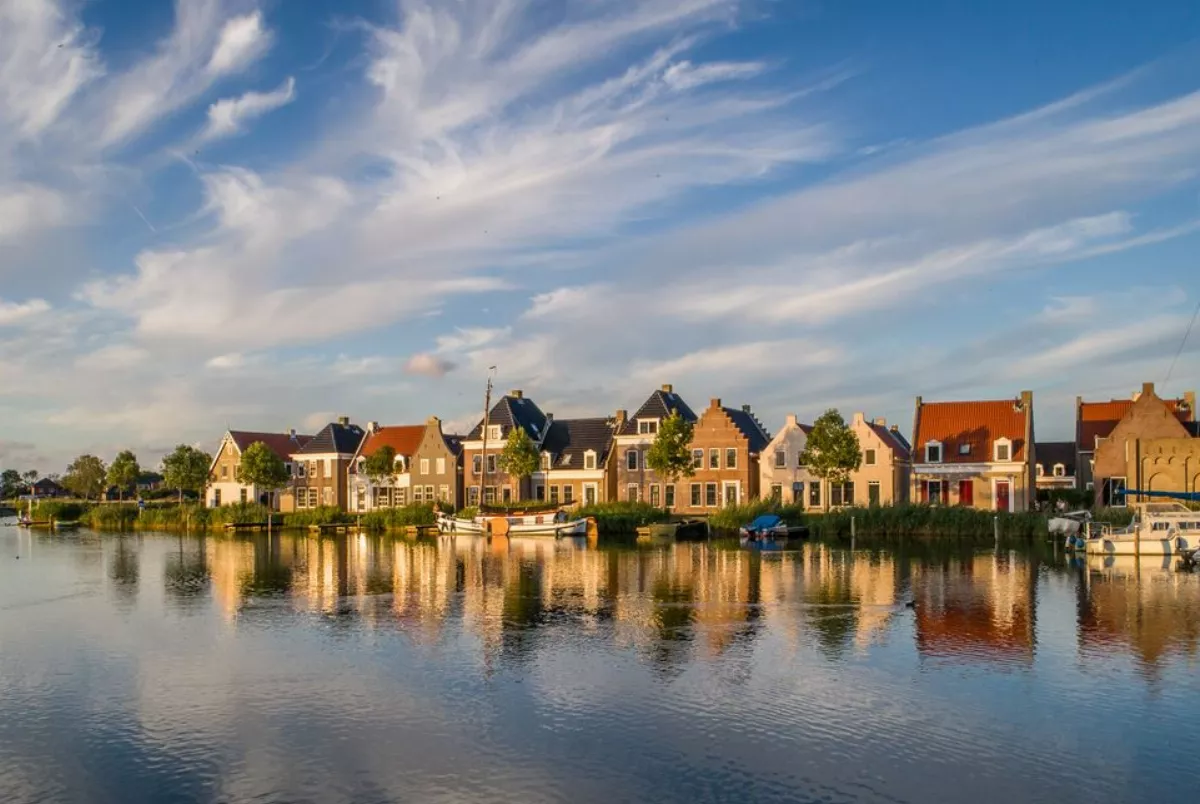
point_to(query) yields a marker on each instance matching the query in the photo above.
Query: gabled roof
(1099, 419)
(749, 426)
(975, 425)
(659, 405)
(569, 439)
(454, 443)
(282, 444)
(403, 439)
(893, 438)
(1051, 452)
(335, 437)
(514, 410)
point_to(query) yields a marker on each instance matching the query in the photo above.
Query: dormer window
(1041, 471)
(1002, 450)
(545, 461)
(1060, 470)
(399, 464)
(964, 449)
(933, 452)
(647, 426)
(589, 460)
(494, 432)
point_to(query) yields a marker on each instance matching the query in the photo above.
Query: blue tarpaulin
(764, 522)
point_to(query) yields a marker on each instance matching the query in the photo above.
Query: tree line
(88, 477)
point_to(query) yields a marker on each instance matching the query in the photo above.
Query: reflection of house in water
(1144, 607)
(980, 608)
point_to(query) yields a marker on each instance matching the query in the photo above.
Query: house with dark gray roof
(635, 434)
(482, 446)
(726, 447)
(321, 467)
(575, 459)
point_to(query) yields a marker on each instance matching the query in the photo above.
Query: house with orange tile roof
(979, 454)
(1095, 422)
(367, 494)
(223, 485)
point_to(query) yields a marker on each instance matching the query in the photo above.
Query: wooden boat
(554, 525)
(682, 531)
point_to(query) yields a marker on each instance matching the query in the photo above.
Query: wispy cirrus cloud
(229, 116)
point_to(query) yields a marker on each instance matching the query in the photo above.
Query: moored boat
(554, 525)
(1158, 529)
(772, 527)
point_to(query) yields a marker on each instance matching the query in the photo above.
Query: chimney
(372, 427)
(895, 428)
(433, 421)
(668, 389)
(715, 402)
(516, 393)
(745, 409)
(620, 416)
(858, 418)
(1148, 388)
(881, 422)
(791, 420)
(292, 433)
(344, 420)
(549, 419)
(1189, 402)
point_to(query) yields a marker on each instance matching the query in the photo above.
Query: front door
(731, 493)
(1003, 491)
(589, 493)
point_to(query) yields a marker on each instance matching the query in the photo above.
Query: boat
(1158, 529)
(67, 525)
(553, 524)
(772, 527)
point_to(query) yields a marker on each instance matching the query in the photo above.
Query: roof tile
(971, 426)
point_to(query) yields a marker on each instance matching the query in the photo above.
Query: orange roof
(1099, 419)
(974, 426)
(404, 439)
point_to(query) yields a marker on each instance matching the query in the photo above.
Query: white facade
(780, 471)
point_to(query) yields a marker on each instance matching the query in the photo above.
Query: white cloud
(243, 41)
(428, 365)
(14, 313)
(229, 116)
(684, 75)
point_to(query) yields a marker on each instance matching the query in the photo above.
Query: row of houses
(981, 454)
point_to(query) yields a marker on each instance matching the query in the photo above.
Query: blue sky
(265, 214)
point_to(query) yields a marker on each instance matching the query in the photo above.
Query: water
(155, 668)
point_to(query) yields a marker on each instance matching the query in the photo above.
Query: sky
(263, 214)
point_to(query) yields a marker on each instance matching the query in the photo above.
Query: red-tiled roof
(404, 439)
(975, 424)
(282, 444)
(1099, 419)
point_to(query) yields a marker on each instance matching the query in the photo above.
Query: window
(933, 452)
(489, 495)
(1113, 492)
(964, 449)
(314, 469)
(477, 465)
(299, 470)
(631, 492)
(400, 496)
(424, 466)
(869, 457)
(224, 472)
(697, 459)
(443, 492)
(695, 495)
(312, 498)
(539, 492)
(418, 494)
(244, 495)
(1041, 470)
(841, 494)
(554, 494)
(491, 464)
(710, 495)
(441, 466)
(568, 494)
(545, 461)
(731, 493)
(933, 492)
(589, 460)
(781, 459)
(1002, 450)
(814, 494)
(777, 492)
(714, 458)
(589, 494)
(647, 426)
(631, 460)
(669, 495)
(216, 498)
(731, 458)
(429, 494)
(873, 492)
(1060, 470)
(472, 495)
(494, 432)
(655, 493)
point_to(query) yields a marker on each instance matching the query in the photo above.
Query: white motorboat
(553, 524)
(1158, 529)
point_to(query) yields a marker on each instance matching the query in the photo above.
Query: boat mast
(487, 411)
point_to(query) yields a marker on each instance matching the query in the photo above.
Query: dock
(239, 526)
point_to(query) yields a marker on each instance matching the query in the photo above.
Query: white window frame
(781, 459)
(697, 458)
(1060, 470)
(441, 466)
(940, 449)
(594, 490)
(495, 432)
(997, 445)
(731, 451)
(424, 466)
(589, 459)
(631, 492)
(647, 426)
(1041, 470)
(726, 485)
(869, 457)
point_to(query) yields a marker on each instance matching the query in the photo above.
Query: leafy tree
(85, 477)
(670, 456)
(31, 477)
(519, 458)
(262, 468)
(381, 466)
(186, 469)
(10, 483)
(832, 450)
(124, 471)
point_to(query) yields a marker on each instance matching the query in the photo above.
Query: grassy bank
(925, 520)
(734, 516)
(622, 517)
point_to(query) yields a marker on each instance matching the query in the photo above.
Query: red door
(1002, 496)
(966, 493)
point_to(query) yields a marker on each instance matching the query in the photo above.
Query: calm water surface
(155, 668)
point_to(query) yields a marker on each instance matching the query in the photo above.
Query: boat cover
(764, 522)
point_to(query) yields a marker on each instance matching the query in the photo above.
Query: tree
(186, 469)
(85, 477)
(519, 458)
(670, 456)
(832, 451)
(30, 477)
(262, 468)
(124, 471)
(381, 466)
(10, 484)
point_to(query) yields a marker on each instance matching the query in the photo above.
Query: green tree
(832, 451)
(519, 458)
(262, 468)
(10, 484)
(670, 456)
(85, 477)
(381, 466)
(124, 471)
(186, 469)
(30, 477)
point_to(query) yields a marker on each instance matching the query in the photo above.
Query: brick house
(1116, 460)
(979, 454)
(321, 468)
(513, 409)
(437, 466)
(634, 435)
(368, 495)
(1055, 465)
(576, 457)
(223, 486)
(1095, 422)
(1164, 464)
(726, 446)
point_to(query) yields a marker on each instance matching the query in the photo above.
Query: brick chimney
(516, 393)
(668, 389)
(343, 420)
(881, 422)
(1189, 399)
(858, 418)
(746, 409)
(715, 402)
(621, 415)
(792, 421)
(372, 427)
